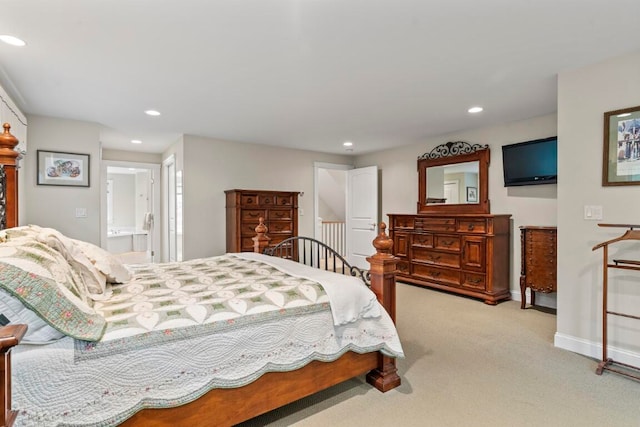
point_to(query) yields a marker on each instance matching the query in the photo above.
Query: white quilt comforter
(50, 388)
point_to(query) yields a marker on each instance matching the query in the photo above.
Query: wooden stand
(607, 363)
(538, 261)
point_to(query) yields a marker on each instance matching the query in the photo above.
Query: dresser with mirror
(453, 242)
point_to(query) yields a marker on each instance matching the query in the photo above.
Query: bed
(214, 388)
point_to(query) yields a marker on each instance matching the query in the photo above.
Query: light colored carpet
(470, 364)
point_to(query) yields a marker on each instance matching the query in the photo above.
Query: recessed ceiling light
(624, 115)
(152, 113)
(13, 41)
(136, 141)
(475, 109)
(347, 144)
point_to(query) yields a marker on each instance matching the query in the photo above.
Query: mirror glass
(453, 178)
(452, 184)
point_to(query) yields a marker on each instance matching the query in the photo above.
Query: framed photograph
(472, 194)
(67, 169)
(621, 153)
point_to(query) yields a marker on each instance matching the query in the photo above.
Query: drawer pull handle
(475, 280)
(253, 215)
(267, 201)
(447, 243)
(435, 274)
(435, 257)
(471, 227)
(249, 200)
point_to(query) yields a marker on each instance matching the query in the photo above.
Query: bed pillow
(38, 331)
(109, 265)
(24, 231)
(44, 282)
(94, 280)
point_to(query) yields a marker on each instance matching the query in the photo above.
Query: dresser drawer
(473, 225)
(435, 224)
(422, 239)
(283, 200)
(402, 267)
(545, 236)
(249, 228)
(474, 281)
(448, 242)
(267, 200)
(279, 214)
(444, 275)
(280, 227)
(247, 243)
(252, 215)
(249, 199)
(430, 256)
(403, 222)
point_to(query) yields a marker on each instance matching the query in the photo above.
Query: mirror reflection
(454, 184)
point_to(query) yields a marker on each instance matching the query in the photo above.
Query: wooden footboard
(10, 336)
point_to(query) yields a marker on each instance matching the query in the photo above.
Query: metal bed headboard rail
(316, 254)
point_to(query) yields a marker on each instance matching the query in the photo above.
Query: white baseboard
(594, 350)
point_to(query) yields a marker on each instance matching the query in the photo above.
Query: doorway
(330, 205)
(346, 209)
(130, 203)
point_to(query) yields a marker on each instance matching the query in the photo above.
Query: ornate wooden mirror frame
(452, 153)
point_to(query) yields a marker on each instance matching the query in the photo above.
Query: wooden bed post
(9, 336)
(261, 241)
(383, 284)
(8, 179)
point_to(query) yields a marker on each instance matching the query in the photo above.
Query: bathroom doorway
(131, 201)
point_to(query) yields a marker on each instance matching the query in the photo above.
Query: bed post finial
(383, 284)
(261, 241)
(383, 243)
(9, 162)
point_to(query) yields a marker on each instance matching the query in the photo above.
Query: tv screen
(531, 162)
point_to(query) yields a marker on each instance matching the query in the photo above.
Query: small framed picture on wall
(65, 169)
(621, 151)
(472, 194)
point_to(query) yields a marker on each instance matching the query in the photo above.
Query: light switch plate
(81, 212)
(593, 212)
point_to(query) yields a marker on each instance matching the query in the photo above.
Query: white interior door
(362, 214)
(451, 192)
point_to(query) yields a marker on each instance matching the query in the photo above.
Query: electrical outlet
(301, 212)
(81, 212)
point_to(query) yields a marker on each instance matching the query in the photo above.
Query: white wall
(124, 194)
(55, 206)
(213, 166)
(332, 187)
(530, 205)
(584, 96)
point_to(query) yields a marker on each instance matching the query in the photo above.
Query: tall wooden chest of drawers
(538, 266)
(244, 208)
(465, 254)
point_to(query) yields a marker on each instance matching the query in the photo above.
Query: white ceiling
(309, 74)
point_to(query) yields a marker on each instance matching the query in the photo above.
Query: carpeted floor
(470, 364)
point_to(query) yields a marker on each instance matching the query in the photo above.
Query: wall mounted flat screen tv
(531, 162)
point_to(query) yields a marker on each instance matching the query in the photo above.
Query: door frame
(155, 196)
